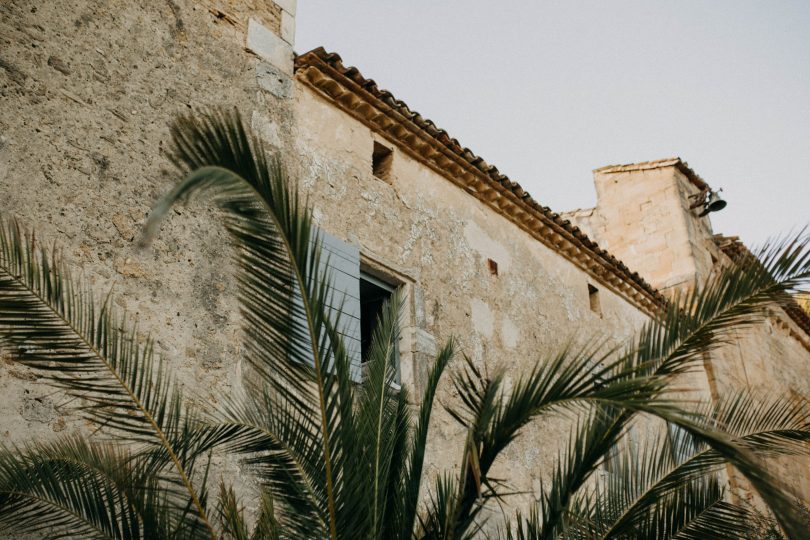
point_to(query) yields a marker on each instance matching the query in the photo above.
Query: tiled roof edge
(737, 251)
(432, 146)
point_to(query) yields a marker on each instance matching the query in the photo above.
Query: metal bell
(713, 203)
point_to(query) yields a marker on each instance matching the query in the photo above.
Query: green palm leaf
(383, 416)
(53, 325)
(766, 427)
(631, 501)
(303, 369)
(74, 489)
(231, 515)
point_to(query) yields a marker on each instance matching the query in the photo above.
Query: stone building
(88, 89)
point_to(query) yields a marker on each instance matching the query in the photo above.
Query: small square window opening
(593, 298)
(381, 161)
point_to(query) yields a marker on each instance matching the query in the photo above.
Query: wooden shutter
(341, 262)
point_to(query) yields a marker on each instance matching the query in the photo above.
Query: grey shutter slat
(341, 261)
(344, 266)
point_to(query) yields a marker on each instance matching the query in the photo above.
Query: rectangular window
(355, 299)
(374, 292)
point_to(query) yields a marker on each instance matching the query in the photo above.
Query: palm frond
(281, 454)
(267, 527)
(768, 486)
(438, 520)
(71, 488)
(383, 420)
(576, 379)
(766, 427)
(294, 348)
(626, 501)
(592, 439)
(52, 324)
(404, 495)
(695, 510)
(703, 320)
(231, 515)
(665, 348)
(765, 424)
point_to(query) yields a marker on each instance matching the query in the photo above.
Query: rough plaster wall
(85, 102)
(441, 237)
(771, 363)
(87, 89)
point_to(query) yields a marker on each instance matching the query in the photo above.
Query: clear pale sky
(548, 91)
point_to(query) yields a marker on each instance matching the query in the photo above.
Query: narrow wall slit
(593, 298)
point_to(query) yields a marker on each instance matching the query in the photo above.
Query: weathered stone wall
(87, 89)
(86, 100)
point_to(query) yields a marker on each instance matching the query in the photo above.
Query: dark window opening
(593, 297)
(373, 294)
(381, 160)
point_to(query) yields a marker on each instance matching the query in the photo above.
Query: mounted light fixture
(709, 199)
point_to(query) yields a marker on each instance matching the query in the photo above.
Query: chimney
(648, 216)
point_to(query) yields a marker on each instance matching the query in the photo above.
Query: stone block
(423, 342)
(268, 46)
(418, 299)
(274, 80)
(287, 5)
(288, 27)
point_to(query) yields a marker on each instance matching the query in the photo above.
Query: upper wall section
(346, 88)
(644, 215)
